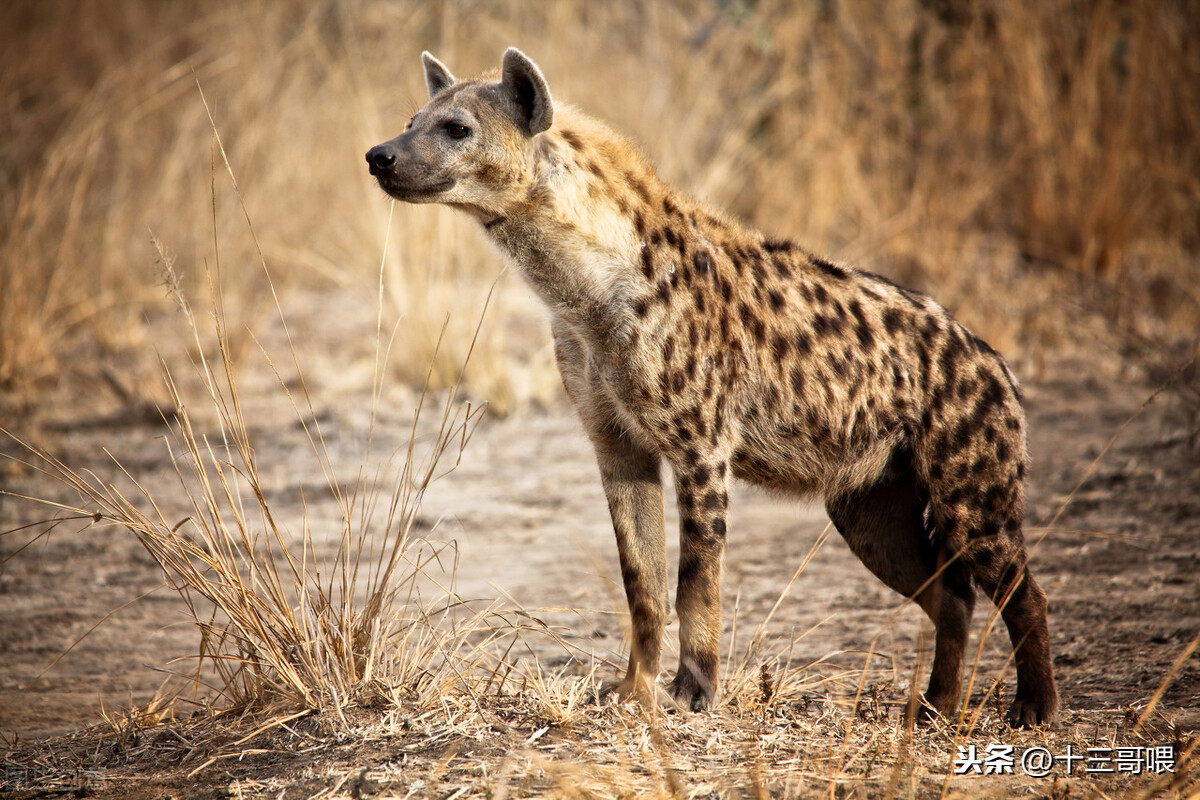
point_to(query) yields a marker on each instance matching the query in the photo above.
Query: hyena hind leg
(1000, 567)
(884, 525)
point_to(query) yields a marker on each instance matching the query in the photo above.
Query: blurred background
(1034, 164)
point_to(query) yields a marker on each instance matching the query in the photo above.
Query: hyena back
(684, 337)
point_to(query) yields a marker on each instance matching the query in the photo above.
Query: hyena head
(469, 146)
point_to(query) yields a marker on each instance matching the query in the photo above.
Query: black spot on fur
(862, 328)
(948, 363)
(752, 323)
(987, 529)
(776, 300)
(782, 268)
(832, 270)
(893, 321)
(923, 362)
(760, 272)
(984, 559)
(993, 392)
(664, 292)
(930, 334)
(776, 245)
(647, 263)
(703, 262)
(779, 347)
(830, 325)
(797, 381)
(803, 343)
(572, 139)
(995, 499)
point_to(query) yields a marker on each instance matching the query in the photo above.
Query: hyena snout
(381, 159)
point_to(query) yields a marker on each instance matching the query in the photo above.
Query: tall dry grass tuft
(1012, 157)
(322, 620)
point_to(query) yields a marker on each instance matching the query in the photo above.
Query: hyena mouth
(408, 191)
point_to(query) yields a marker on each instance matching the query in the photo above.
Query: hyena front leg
(632, 484)
(703, 497)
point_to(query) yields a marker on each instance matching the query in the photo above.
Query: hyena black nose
(381, 158)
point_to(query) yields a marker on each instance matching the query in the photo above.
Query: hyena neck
(578, 236)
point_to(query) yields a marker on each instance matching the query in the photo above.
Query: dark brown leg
(884, 526)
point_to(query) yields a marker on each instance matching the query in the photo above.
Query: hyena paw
(631, 689)
(617, 691)
(1026, 712)
(936, 708)
(692, 693)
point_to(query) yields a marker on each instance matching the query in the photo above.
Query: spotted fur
(687, 338)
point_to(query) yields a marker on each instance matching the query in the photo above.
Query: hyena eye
(456, 131)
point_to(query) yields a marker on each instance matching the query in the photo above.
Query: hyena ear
(522, 83)
(437, 77)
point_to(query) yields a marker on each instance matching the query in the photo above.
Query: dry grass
(1049, 149)
(284, 623)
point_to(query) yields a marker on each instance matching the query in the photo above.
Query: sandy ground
(1121, 565)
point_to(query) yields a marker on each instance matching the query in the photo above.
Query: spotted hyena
(683, 336)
